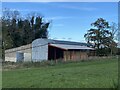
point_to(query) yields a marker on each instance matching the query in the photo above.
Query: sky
(69, 20)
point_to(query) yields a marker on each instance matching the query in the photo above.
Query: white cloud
(24, 10)
(58, 18)
(58, 25)
(89, 9)
(78, 8)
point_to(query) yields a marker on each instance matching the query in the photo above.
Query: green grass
(89, 74)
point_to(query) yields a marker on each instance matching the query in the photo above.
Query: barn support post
(73, 55)
(79, 55)
(55, 55)
(64, 55)
(70, 55)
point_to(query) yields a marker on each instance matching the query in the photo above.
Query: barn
(48, 49)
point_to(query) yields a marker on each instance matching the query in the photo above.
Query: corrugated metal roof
(68, 47)
(66, 42)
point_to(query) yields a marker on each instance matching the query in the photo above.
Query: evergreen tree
(101, 37)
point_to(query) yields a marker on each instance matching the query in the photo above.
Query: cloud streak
(78, 8)
(58, 25)
(67, 7)
(23, 10)
(58, 18)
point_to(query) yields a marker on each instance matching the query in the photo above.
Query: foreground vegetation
(88, 74)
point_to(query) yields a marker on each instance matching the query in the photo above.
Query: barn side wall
(75, 55)
(10, 57)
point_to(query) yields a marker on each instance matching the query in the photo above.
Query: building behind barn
(48, 49)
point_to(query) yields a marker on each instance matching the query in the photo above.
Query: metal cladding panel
(39, 50)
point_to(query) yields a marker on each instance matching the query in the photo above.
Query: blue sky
(70, 20)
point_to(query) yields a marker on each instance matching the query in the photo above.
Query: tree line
(18, 30)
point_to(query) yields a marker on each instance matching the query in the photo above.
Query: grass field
(89, 74)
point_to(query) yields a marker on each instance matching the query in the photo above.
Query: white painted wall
(27, 57)
(11, 59)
